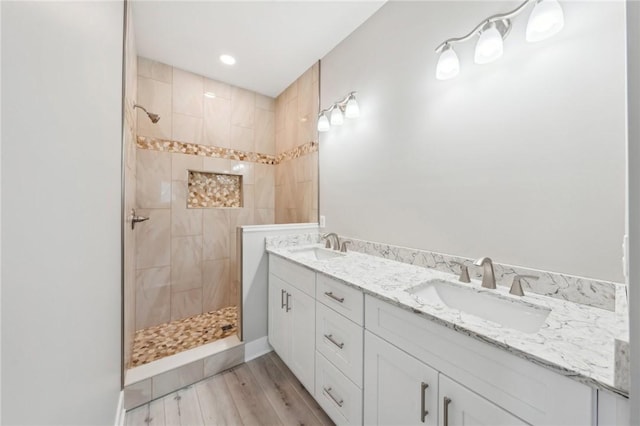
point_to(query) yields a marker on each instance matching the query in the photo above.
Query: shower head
(153, 117)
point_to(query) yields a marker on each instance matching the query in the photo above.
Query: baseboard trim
(256, 348)
(120, 410)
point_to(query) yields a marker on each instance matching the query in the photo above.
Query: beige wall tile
(223, 360)
(264, 216)
(182, 163)
(220, 89)
(242, 107)
(144, 67)
(291, 125)
(248, 196)
(153, 238)
(184, 221)
(264, 186)
(215, 224)
(217, 122)
(188, 93)
(153, 179)
(265, 134)
(242, 138)
(215, 289)
(153, 292)
(186, 264)
(178, 378)
(305, 94)
(217, 165)
(155, 96)
(265, 102)
(186, 303)
(280, 113)
(291, 91)
(238, 217)
(137, 394)
(244, 168)
(187, 129)
(155, 70)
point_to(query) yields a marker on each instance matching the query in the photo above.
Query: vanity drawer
(298, 276)
(343, 299)
(340, 341)
(336, 394)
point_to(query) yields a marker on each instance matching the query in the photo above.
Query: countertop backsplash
(595, 293)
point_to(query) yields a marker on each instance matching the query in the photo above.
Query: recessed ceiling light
(210, 94)
(227, 59)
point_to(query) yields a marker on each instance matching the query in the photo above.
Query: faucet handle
(328, 243)
(464, 272)
(516, 286)
(343, 247)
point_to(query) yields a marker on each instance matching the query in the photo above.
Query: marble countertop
(576, 340)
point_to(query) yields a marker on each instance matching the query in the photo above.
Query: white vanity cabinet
(461, 407)
(482, 381)
(292, 318)
(399, 390)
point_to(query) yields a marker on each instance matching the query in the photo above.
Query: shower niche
(211, 190)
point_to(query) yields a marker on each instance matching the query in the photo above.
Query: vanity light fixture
(345, 107)
(545, 21)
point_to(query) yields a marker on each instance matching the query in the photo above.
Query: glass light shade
(323, 124)
(546, 20)
(448, 64)
(337, 119)
(489, 47)
(352, 109)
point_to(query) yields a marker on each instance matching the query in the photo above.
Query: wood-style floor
(260, 392)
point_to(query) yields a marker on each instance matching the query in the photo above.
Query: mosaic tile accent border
(208, 189)
(299, 151)
(595, 293)
(164, 145)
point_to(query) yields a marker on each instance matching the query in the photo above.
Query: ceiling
(274, 42)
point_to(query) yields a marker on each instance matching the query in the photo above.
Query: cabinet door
(398, 388)
(279, 328)
(459, 406)
(302, 317)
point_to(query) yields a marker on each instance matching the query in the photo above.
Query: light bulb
(448, 64)
(546, 20)
(337, 119)
(489, 47)
(352, 110)
(323, 124)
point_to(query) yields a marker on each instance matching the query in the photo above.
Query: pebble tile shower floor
(170, 338)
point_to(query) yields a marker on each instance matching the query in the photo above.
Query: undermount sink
(317, 253)
(506, 311)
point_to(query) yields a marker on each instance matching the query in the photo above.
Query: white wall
(633, 99)
(61, 146)
(522, 160)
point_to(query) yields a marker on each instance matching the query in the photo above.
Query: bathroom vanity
(375, 342)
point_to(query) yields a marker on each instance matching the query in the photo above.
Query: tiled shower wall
(186, 258)
(296, 108)
(130, 93)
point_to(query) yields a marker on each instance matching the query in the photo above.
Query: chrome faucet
(488, 277)
(336, 241)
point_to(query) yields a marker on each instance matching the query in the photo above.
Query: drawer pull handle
(330, 338)
(282, 293)
(334, 297)
(288, 307)
(328, 392)
(446, 401)
(423, 411)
